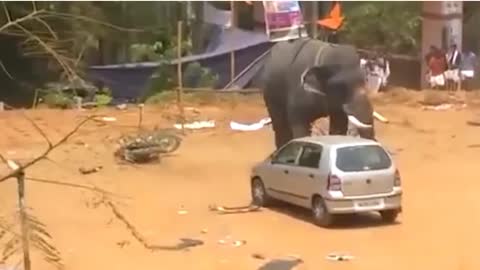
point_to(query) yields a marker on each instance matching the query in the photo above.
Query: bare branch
(34, 5)
(20, 20)
(49, 29)
(95, 21)
(39, 130)
(49, 149)
(70, 73)
(7, 14)
(72, 185)
(4, 69)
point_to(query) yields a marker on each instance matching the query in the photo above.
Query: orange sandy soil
(435, 151)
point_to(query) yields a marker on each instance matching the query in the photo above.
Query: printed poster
(283, 20)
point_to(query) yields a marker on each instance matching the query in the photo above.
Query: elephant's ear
(315, 79)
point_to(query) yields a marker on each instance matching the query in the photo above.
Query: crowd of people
(376, 68)
(451, 70)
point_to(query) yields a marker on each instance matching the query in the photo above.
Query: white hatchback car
(330, 175)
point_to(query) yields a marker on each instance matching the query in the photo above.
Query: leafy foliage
(39, 238)
(395, 26)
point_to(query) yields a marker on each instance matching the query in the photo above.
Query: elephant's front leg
(338, 123)
(300, 126)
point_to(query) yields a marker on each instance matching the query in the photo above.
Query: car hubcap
(318, 211)
(258, 192)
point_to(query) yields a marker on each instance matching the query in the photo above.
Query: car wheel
(389, 216)
(320, 213)
(259, 194)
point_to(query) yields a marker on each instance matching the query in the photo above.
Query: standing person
(437, 65)
(453, 73)
(384, 66)
(467, 69)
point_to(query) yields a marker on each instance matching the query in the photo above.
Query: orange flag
(333, 20)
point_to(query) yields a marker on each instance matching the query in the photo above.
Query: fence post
(179, 76)
(23, 221)
(232, 53)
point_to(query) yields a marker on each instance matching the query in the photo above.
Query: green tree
(395, 26)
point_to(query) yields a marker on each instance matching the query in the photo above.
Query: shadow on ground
(353, 221)
(280, 264)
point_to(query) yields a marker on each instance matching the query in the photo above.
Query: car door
(281, 164)
(306, 177)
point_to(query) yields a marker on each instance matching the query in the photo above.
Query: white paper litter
(196, 125)
(441, 107)
(250, 127)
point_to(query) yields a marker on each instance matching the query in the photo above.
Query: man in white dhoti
(452, 75)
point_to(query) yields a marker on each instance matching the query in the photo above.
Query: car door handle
(285, 171)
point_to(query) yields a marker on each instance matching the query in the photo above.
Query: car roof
(336, 140)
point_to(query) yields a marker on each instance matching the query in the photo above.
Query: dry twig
(50, 148)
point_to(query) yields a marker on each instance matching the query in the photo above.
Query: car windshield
(362, 158)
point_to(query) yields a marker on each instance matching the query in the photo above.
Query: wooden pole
(232, 53)
(314, 27)
(140, 116)
(27, 265)
(179, 76)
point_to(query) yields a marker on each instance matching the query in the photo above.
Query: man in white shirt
(452, 74)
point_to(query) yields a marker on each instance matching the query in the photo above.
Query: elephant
(306, 79)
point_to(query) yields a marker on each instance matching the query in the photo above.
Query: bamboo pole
(232, 53)
(179, 76)
(314, 19)
(27, 265)
(140, 116)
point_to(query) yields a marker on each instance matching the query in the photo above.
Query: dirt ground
(435, 151)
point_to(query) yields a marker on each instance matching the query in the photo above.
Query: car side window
(288, 155)
(310, 157)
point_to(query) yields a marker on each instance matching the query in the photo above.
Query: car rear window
(362, 158)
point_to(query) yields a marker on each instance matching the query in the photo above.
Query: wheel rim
(258, 192)
(318, 210)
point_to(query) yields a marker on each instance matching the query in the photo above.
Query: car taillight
(397, 180)
(334, 183)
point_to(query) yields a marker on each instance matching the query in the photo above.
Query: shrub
(57, 99)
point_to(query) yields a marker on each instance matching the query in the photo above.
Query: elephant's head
(342, 86)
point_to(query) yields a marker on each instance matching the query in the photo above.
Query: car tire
(320, 214)
(389, 216)
(259, 194)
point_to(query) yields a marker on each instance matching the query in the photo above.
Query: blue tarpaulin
(128, 81)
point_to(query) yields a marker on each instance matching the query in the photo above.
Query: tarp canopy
(127, 81)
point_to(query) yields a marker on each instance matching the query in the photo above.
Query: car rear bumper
(354, 205)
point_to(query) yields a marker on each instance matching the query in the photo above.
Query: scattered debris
(83, 170)
(473, 145)
(258, 256)
(222, 242)
(475, 123)
(146, 147)
(238, 243)
(250, 127)
(123, 243)
(234, 210)
(182, 211)
(442, 107)
(121, 106)
(105, 119)
(204, 231)
(339, 257)
(196, 125)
